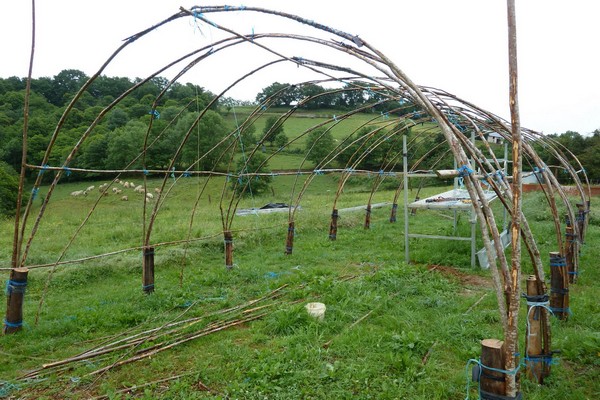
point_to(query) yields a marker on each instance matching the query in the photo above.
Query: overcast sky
(456, 45)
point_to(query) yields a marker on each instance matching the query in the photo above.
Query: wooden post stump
(333, 225)
(368, 217)
(228, 249)
(289, 243)
(538, 355)
(492, 356)
(559, 286)
(413, 211)
(394, 212)
(15, 296)
(571, 254)
(581, 221)
(148, 270)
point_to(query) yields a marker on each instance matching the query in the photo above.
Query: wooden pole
(333, 225)
(15, 292)
(492, 356)
(536, 353)
(228, 249)
(514, 286)
(393, 212)
(570, 255)
(559, 286)
(368, 217)
(581, 221)
(148, 270)
(289, 243)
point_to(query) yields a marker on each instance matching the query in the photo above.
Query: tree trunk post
(538, 355)
(559, 286)
(393, 212)
(492, 356)
(581, 221)
(570, 254)
(228, 238)
(15, 292)
(333, 226)
(368, 217)
(148, 270)
(289, 243)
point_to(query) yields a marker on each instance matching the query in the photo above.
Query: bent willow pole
(398, 106)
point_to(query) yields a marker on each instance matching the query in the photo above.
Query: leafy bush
(9, 189)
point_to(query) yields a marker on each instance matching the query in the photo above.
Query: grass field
(391, 330)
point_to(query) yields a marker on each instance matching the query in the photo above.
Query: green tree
(202, 144)
(273, 128)
(9, 189)
(248, 184)
(319, 144)
(279, 94)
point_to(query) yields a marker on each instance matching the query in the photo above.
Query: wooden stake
(368, 217)
(559, 286)
(537, 366)
(581, 221)
(228, 249)
(289, 243)
(148, 270)
(492, 356)
(570, 254)
(333, 226)
(15, 292)
(393, 213)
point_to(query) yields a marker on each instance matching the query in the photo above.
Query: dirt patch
(464, 279)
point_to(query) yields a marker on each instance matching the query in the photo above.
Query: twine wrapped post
(289, 243)
(581, 213)
(15, 292)
(491, 380)
(228, 238)
(393, 212)
(538, 355)
(570, 254)
(333, 225)
(148, 270)
(559, 286)
(368, 217)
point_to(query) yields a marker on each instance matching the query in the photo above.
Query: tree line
(118, 137)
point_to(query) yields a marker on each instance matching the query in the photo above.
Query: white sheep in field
(139, 189)
(157, 190)
(103, 186)
(131, 184)
(79, 193)
(124, 198)
(118, 180)
(126, 185)
(149, 195)
(117, 190)
(90, 188)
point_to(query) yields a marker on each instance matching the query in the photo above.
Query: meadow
(391, 330)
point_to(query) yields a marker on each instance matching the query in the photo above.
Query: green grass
(411, 311)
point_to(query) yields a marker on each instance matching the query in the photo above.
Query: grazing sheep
(103, 186)
(157, 190)
(126, 185)
(124, 198)
(117, 190)
(149, 195)
(90, 188)
(131, 184)
(139, 189)
(118, 180)
(114, 190)
(79, 193)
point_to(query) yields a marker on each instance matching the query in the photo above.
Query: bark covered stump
(559, 286)
(289, 243)
(333, 225)
(368, 217)
(148, 270)
(15, 292)
(394, 212)
(538, 355)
